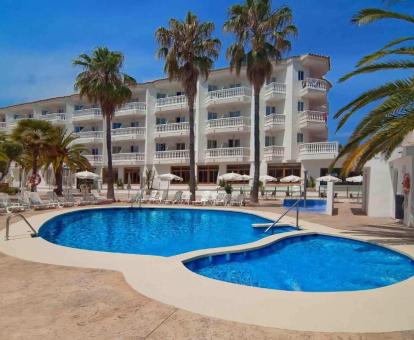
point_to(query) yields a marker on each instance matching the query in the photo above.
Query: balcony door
(134, 174)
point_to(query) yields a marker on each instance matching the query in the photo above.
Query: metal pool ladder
(141, 196)
(296, 204)
(34, 234)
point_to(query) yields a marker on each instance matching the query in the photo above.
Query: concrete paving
(48, 301)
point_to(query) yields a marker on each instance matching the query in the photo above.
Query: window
(133, 174)
(181, 171)
(61, 110)
(180, 146)
(280, 171)
(160, 147)
(116, 125)
(299, 137)
(212, 88)
(116, 149)
(160, 121)
(78, 128)
(134, 124)
(134, 148)
(242, 169)
(270, 140)
(212, 115)
(78, 107)
(95, 151)
(271, 80)
(161, 95)
(301, 75)
(234, 114)
(179, 93)
(234, 143)
(211, 144)
(232, 86)
(45, 112)
(270, 110)
(208, 173)
(301, 106)
(180, 119)
(105, 175)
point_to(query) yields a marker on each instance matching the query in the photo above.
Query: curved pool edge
(325, 312)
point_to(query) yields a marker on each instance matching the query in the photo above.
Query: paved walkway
(49, 302)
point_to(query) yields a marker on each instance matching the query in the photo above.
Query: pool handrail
(34, 234)
(296, 204)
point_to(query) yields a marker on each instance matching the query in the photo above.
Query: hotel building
(151, 131)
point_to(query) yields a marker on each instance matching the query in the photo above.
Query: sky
(40, 38)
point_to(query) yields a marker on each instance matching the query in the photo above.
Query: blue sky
(39, 39)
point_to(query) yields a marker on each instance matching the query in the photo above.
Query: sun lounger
(60, 201)
(205, 198)
(6, 205)
(154, 197)
(177, 197)
(220, 199)
(98, 199)
(37, 203)
(186, 197)
(237, 199)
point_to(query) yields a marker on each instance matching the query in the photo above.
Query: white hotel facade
(152, 130)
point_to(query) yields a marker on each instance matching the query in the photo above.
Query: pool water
(312, 205)
(153, 231)
(311, 263)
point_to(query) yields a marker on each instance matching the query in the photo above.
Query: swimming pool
(311, 263)
(312, 205)
(153, 231)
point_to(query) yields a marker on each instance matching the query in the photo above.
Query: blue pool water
(312, 205)
(163, 232)
(312, 263)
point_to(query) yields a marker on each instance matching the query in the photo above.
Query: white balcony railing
(129, 156)
(90, 134)
(228, 122)
(54, 117)
(94, 112)
(274, 151)
(173, 100)
(172, 127)
(131, 108)
(94, 159)
(233, 92)
(274, 119)
(315, 84)
(275, 88)
(129, 131)
(312, 117)
(172, 155)
(318, 148)
(3, 125)
(227, 152)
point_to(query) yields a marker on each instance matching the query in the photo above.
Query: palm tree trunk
(110, 178)
(34, 168)
(255, 190)
(59, 180)
(191, 147)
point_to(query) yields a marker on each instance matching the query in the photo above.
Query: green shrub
(9, 190)
(228, 188)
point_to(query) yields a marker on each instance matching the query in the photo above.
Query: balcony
(229, 96)
(3, 126)
(172, 156)
(172, 130)
(274, 122)
(275, 91)
(95, 160)
(130, 109)
(274, 153)
(91, 114)
(93, 137)
(314, 88)
(128, 158)
(129, 133)
(320, 150)
(240, 154)
(173, 103)
(312, 120)
(232, 124)
(55, 118)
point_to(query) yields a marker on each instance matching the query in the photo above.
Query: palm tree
(10, 152)
(189, 51)
(102, 82)
(63, 152)
(261, 40)
(392, 117)
(35, 136)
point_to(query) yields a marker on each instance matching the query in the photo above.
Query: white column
(330, 198)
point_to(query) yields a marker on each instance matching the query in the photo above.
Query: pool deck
(56, 301)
